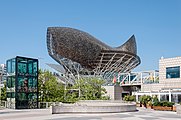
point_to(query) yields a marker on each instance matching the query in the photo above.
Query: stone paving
(44, 114)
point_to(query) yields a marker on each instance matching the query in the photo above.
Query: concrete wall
(157, 87)
(110, 91)
(151, 87)
(115, 92)
(93, 107)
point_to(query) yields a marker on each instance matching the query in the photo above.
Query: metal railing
(138, 78)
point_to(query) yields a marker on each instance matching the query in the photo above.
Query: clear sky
(156, 25)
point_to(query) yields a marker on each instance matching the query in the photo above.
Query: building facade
(169, 85)
(22, 83)
(2, 73)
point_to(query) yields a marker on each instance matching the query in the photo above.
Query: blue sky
(156, 25)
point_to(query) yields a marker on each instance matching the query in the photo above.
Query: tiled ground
(44, 114)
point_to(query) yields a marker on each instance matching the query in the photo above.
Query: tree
(52, 91)
(49, 89)
(3, 93)
(90, 88)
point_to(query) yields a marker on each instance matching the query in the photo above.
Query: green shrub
(163, 103)
(105, 98)
(168, 104)
(129, 98)
(145, 99)
(155, 99)
(149, 103)
(157, 103)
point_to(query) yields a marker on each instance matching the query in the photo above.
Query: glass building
(22, 83)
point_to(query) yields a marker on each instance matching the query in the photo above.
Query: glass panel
(30, 83)
(21, 96)
(13, 66)
(173, 72)
(22, 84)
(9, 66)
(13, 81)
(32, 96)
(22, 68)
(9, 82)
(8, 95)
(30, 68)
(25, 85)
(174, 98)
(179, 98)
(13, 95)
(34, 82)
(35, 68)
(164, 97)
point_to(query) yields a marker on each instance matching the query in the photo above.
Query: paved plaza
(44, 114)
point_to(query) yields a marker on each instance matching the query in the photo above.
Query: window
(35, 69)
(30, 68)
(22, 68)
(22, 96)
(9, 66)
(13, 65)
(13, 82)
(30, 83)
(10, 82)
(173, 72)
(10, 95)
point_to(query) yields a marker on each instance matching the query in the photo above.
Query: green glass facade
(22, 83)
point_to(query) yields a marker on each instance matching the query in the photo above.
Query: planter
(138, 105)
(143, 105)
(163, 108)
(148, 106)
(174, 108)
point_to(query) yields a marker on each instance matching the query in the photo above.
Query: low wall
(94, 107)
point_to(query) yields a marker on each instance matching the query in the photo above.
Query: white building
(2, 73)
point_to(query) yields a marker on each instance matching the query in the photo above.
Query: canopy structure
(82, 54)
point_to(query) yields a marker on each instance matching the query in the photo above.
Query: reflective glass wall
(10, 82)
(24, 80)
(173, 72)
